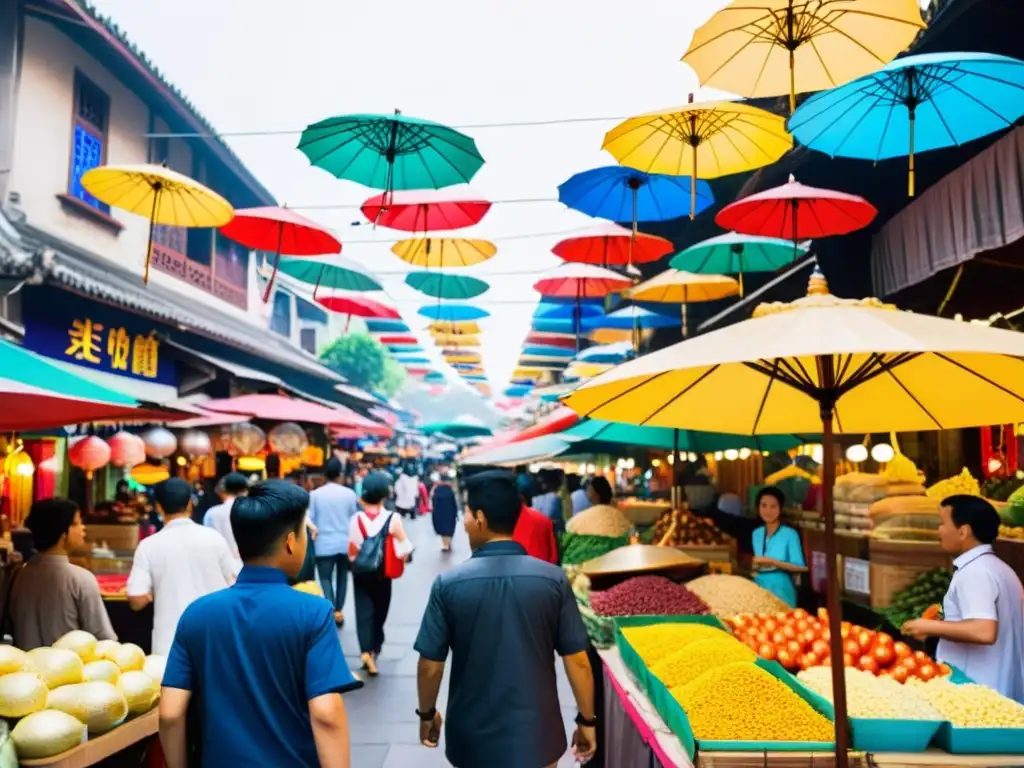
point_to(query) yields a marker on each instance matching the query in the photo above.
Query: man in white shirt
(181, 563)
(230, 487)
(982, 629)
(331, 509)
(407, 493)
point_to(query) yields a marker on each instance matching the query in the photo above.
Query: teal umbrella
(330, 272)
(597, 430)
(455, 429)
(391, 152)
(445, 286)
(734, 254)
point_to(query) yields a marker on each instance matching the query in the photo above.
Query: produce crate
(978, 741)
(895, 564)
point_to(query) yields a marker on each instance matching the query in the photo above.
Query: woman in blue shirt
(778, 553)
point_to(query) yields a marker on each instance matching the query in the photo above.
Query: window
(89, 137)
(281, 314)
(307, 339)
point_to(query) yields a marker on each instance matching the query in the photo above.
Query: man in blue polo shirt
(504, 616)
(262, 659)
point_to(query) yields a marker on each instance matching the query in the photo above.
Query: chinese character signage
(65, 327)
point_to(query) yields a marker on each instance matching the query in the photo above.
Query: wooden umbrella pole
(277, 262)
(157, 188)
(676, 489)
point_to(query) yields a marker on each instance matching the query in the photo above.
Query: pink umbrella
(357, 306)
(424, 211)
(580, 281)
(281, 408)
(612, 245)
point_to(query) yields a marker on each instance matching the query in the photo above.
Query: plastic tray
(978, 741)
(904, 736)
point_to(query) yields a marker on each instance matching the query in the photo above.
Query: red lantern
(89, 454)
(126, 450)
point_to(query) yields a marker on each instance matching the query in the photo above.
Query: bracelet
(586, 722)
(427, 716)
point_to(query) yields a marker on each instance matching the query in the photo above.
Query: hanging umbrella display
(164, 197)
(279, 231)
(391, 152)
(519, 390)
(914, 104)
(334, 273)
(381, 325)
(674, 286)
(412, 359)
(705, 140)
(453, 313)
(822, 364)
(443, 252)
(629, 317)
(358, 306)
(280, 408)
(459, 430)
(468, 327)
(458, 356)
(580, 281)
(455, 341)
(775, 47)
(734, 254)
(543, 350)
(565, 341)
(421, 211)
(626, 194)
(398, 340)
(606, 354)
(446, 286)
(612, 246)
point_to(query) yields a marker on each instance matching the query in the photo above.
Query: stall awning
(143, 391)
(979, 207)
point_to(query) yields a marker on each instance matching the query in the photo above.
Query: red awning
(280, 408)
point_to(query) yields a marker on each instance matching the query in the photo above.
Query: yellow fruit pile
(900, 469)
(964, 483)
(971, 705)
(790, 470)
(698, 657)
(869, 696)
(655, 642)
(742, 702)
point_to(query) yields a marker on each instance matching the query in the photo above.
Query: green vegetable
(578, 548)
(910, 602)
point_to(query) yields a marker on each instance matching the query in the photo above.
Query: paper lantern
(89, 454)
(247, 439)
(150, 474)
(288, 439)
(251, 464)
(160, 443)
(126, 450)
(196, 443)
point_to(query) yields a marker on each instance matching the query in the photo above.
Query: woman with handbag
(378, 547)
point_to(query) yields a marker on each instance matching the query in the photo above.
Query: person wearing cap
(180, 563)
(331, 508)
(229, 488)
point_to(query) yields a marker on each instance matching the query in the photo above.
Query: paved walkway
(382, 716)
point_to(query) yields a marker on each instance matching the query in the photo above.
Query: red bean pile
(647, 596)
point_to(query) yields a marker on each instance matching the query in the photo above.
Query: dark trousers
(405, 512)
(373, 600)
(326, 567)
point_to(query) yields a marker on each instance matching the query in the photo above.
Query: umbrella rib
(689, 387)
(917, 402)
(798, 371)
(973, 98)
(987, 380)
(764, 397)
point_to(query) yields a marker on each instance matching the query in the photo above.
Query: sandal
(339, 618)
(369, 664)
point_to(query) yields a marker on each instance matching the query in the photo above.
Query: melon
(154, 667)
(56, 666)
(99, 705)
(47, 733)
(21, 693)
(105, 649)
(12, 659)
(101, 671)
(140, 691)
(129, 657)
(81, 642)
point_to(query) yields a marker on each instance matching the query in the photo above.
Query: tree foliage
(365, 362)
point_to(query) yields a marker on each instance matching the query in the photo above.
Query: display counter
(127, 745)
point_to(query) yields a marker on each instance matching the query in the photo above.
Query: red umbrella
(281, 408)
(581, 281)
(551, 340)
(416, 212)
(612, 245)
(559, 421)
(359, 307)
(398, 340)
(279, 231)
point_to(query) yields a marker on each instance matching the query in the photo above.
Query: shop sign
(73, 330)
(819, 571)
(857, 576)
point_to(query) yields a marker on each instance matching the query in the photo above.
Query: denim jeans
(327, 567)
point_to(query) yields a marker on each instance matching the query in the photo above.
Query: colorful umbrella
(546, 351)
(915, 104)
(558, 421)
(613, 336)
(381, 325)
(628, 318)
(391, 152)
(435, 377)
(158, 193)
(606, 354)
(734, 254)
(580, 370)
(358, 306)
(565, 341)
(453, 340)
(418, 212)
(453, 313)
(626, 194)
(580, 281)
(566, 310)
(398, 339)
(708, 140)
(773, 47)
(412, 359)
(456, 429)
(544, 362)
(518, 453)
(674, 286)
(335, 273)
(527, 374)
(444, 286)
(667, 439)
(443, 252)
(519, 390)
(465, 366)
(612, 245)
(458, 356)
(403, 348)
(279, 231)
(468, 327)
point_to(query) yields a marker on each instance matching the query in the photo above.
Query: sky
(251, 66)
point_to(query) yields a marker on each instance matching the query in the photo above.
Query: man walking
(503, 615)
(181, 563)
(229, 488)
(331, 509)
(407, 493)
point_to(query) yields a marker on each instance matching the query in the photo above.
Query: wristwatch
(586, 722)
(427, 716)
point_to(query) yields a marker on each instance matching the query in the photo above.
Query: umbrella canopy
(391, 152)
(542, 350)
(280, 408)
(421, 211)
(565, 341)
(331, 272)
(580, 281)
(525, 374)
(774, 47)
(453, 313)
(558, 421)
(382, 325)
(734, 254)
(584, 370)
(519, 390)
(465, 366)
(457, 356)
(544, 363)
(566, 310)
(403, 348)
(612, 245)
(158, 193)
(435, 377)
(628, 318)
(456, 429)
(673, 286)
(456, 341)
(400, 340)
(609, 354)
(523, 452)
(705, 140)
(443, 252)
(914, 104)
(358, 306)
(664, 438)
(445, 286)
(626, 194)
(468, 327)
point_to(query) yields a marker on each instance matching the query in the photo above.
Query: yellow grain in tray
(653, 642)
(698, 657)
(971, 705)
(742, 702)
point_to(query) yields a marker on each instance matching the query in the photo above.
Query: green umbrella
(734, 254)
(331, 272)
(391, 152)
(444, 286)
(455, 429)
(597, 430)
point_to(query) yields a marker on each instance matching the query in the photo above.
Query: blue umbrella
(542, 350)
(518, 390)
(627, 317)
(474, 378)
(404, 348)
(565, 310)
(413, 360)
(435, 377)
(607, 354)
(914, 104)
(465, 366)
(453, 313)
(624, 194)
(386, 326)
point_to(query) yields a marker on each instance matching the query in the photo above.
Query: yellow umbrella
(674, 286)
(821, 364)
(707, 140)
(772, 47)
(159, 194)
(612, 335)
(585, 370)
(529, 372)
(455, 340)
(472, 358)
(439, 252)
(439, 327)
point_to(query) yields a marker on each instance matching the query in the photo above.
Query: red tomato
(868, 664)
(943, 670)
(899, 674)
(799, 613)
(766, 651)
(782, 617)
(884, 655)
(785, 658)
(910, 664)
(922, 657)
(779, 637)
(847, 660)
(752, 643)
(926, 672)
(808, 637)
(852, 647)
(901, 649)
(803, 625)
(883, 639)
(820, 647)
(794, 648)
(808, 660)
(763, 636)
(823, 614)
(845, 629)
(770, 624)
(789, 632)
(826, 635)
(865, 638)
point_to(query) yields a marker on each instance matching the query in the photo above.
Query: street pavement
(382, 715)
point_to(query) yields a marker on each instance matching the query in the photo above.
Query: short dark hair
(173, 495)
(975, 512)
(602, 489)
(50, 519)
(270, 511)
(376, 487)
(272, 465)
(496, 494)
(333, 468)
(573, 482)
(775, 493)
(235, 483)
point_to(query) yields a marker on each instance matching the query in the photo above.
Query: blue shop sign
(66, 327)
